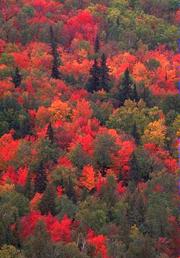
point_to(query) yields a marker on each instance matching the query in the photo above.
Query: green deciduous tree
(39, 245)
(13, 116)
(132, 113)
(65, 207)
(141, 246)
(9, 251)
(13, 206)
(92, 213)
(103, 149)
(142, 165)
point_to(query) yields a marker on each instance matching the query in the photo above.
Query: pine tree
(99, 75)
(41, 179)
(135, 96)
(135, 173)
(136, 209)
(17, 241)
(28, 188)
(146, 95)
(93, 83)
(47, 203)
(16, 77)
(50, 133)
(125, 87)
(135, 133)
(96, 45)
(56, 58)
(70, 190)
(104, 74)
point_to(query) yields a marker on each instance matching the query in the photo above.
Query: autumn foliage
(93, 151)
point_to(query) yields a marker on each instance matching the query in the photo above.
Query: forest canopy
(89, 129)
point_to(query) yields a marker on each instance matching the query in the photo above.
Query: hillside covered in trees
(89, 127)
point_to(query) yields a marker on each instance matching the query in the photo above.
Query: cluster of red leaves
(170, 246)
(2, 46)
(9, 148)
(161, 80)
(59, 191)
(65, 162)
(8, 13)
(87, 179)
(102, 181)
(6, 87)
(120, 188)
(162, 156)
(81, 128)
(58, 230)
(41, 10)
(99, 243)
(15, 177)
(81, 26)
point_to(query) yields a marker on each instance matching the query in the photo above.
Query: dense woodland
(89, 127)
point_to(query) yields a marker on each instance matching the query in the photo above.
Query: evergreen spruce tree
(104, 74)
(16, 77)
(50, 133)
(135, 134)
(17, 241)
(147, 97)
(28, 188)
(56, 58)
(125, 87)
(70, 190)
(135, 96)
(135, 173)
(96, 45)
(93, 83)
(41, 179)
(47, 203)
(99, 75)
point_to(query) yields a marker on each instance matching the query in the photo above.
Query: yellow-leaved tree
(155, 133)
(59, 110)
(88, 177)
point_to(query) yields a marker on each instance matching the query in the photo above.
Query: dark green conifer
(96, 45)
(93, 83)
(104, 74)
(70, 190)
(47, 204)
(135, 172)
(55, 73)
(125, 87)
(16, 77)
(135, 96)
(135, 134)
(28, 188)
(50, 133)
(40, 179)
(147, 96)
